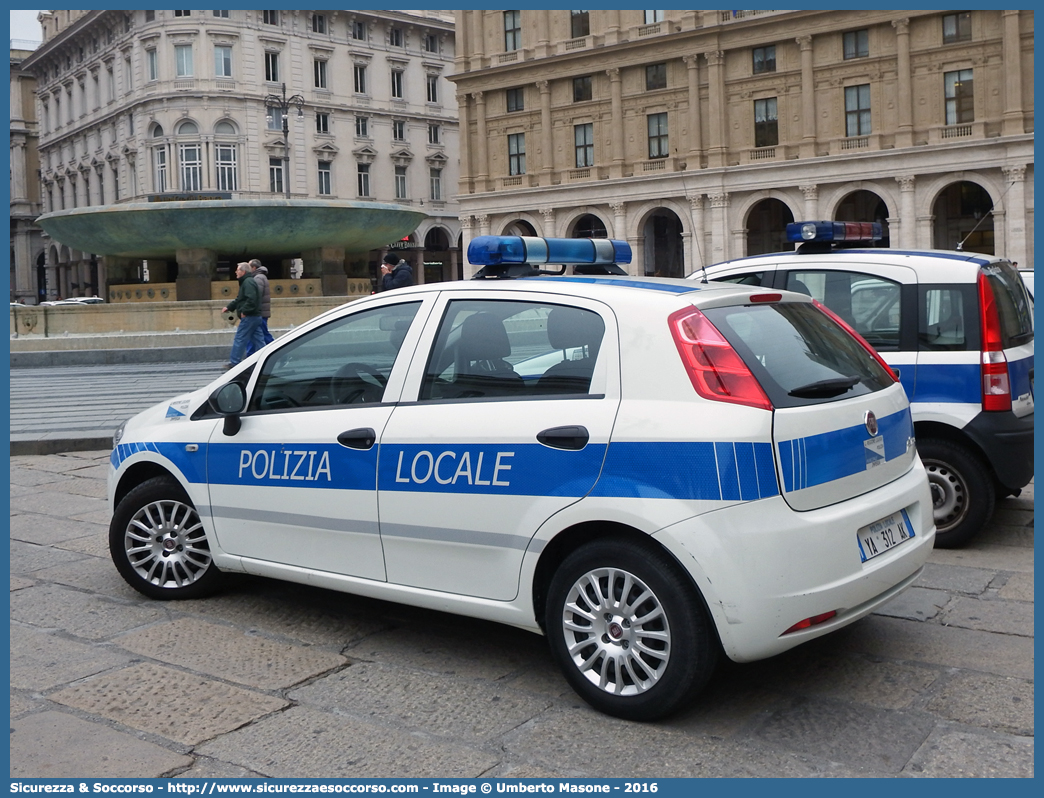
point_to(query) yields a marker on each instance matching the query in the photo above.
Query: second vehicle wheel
(963, 494)
(629, 630)
(159, 545)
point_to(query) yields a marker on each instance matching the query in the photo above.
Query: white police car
(677, 469)
(958, 329)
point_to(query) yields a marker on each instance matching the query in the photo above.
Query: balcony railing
(580, 174)
(855, 143)
(649, 30)
(956, 131)
(735, 16)
(658, 165)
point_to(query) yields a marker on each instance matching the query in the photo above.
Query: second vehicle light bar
(504, 250)
(834, 231)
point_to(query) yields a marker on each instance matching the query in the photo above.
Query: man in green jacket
(248, 305)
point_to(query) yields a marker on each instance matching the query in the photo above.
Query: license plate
(880, 536)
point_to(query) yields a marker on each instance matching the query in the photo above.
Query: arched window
(159, 161)
(190, 158)
(226, 157)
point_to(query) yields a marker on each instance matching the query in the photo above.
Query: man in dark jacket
(395, 273)
(248, 305)
(260, 275)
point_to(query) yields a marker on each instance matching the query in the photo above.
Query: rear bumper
(762, 567)
(1007, 442)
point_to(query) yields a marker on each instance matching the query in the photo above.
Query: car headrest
(483, 337)
(569, 327)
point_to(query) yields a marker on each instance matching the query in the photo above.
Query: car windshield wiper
(822, 389)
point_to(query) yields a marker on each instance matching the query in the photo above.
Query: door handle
(572, 438)
(362, 438)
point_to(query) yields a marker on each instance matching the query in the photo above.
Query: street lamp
(273, 104)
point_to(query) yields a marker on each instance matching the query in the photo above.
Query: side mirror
(229, 401)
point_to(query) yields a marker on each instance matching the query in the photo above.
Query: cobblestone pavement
(269, 679)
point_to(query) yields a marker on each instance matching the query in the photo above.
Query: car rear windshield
(798, 354)
(1013, 304)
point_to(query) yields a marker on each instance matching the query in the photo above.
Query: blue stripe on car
(818, 459)
(708, 470)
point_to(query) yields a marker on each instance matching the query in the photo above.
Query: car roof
(931, 265)
(610, 289)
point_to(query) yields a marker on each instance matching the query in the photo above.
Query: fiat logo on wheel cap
(871, 422)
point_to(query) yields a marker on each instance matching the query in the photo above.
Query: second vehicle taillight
(996, 386)
(716, 370)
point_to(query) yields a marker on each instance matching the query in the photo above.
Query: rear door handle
(362, 438)
(572, 438)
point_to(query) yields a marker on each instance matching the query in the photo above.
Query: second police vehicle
(651, 472)
(957, 328)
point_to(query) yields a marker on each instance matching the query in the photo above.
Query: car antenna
(960, 246)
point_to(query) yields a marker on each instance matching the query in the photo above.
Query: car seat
(570, 328)
(481, 367)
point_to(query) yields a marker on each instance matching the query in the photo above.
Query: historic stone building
(339, 105)
(697, 135)
(27, 242)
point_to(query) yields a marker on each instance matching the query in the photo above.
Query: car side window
(941, 324)
(748, 278)
(872, 305)
(496, 349)
(344, 362)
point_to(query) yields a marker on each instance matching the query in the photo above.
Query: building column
(1015, 247)
(697, 242)
(543, 26)
(1012, 48)
(19, 184)
(25, 270)
(482, 167)
(465, 144)
(466, 234)
(616, 168)
(478, 40)
(547, 156)
(612, 29)
(907, 238)
(549, 223)
(694, 157)
(717, 149)
(53, 288)
(811, 194)
(904, 79)
(197, 268)
(808, 99)
(719, 227)
(328, 264)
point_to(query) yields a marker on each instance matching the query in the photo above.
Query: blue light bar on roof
(833, 231)
(504, 250)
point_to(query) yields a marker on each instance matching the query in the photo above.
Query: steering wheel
(356, 382)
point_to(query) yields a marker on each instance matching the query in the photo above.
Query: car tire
(638, 661)
(963, 494)
(159, 544)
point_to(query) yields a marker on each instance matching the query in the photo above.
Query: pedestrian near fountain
(260, 275)
(395, 273)
(248, 305)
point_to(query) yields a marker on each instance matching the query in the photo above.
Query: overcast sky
(25, 26)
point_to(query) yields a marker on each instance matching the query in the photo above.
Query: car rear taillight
(808, 623)
(715, 368)
(862, 341)
(996, 388)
